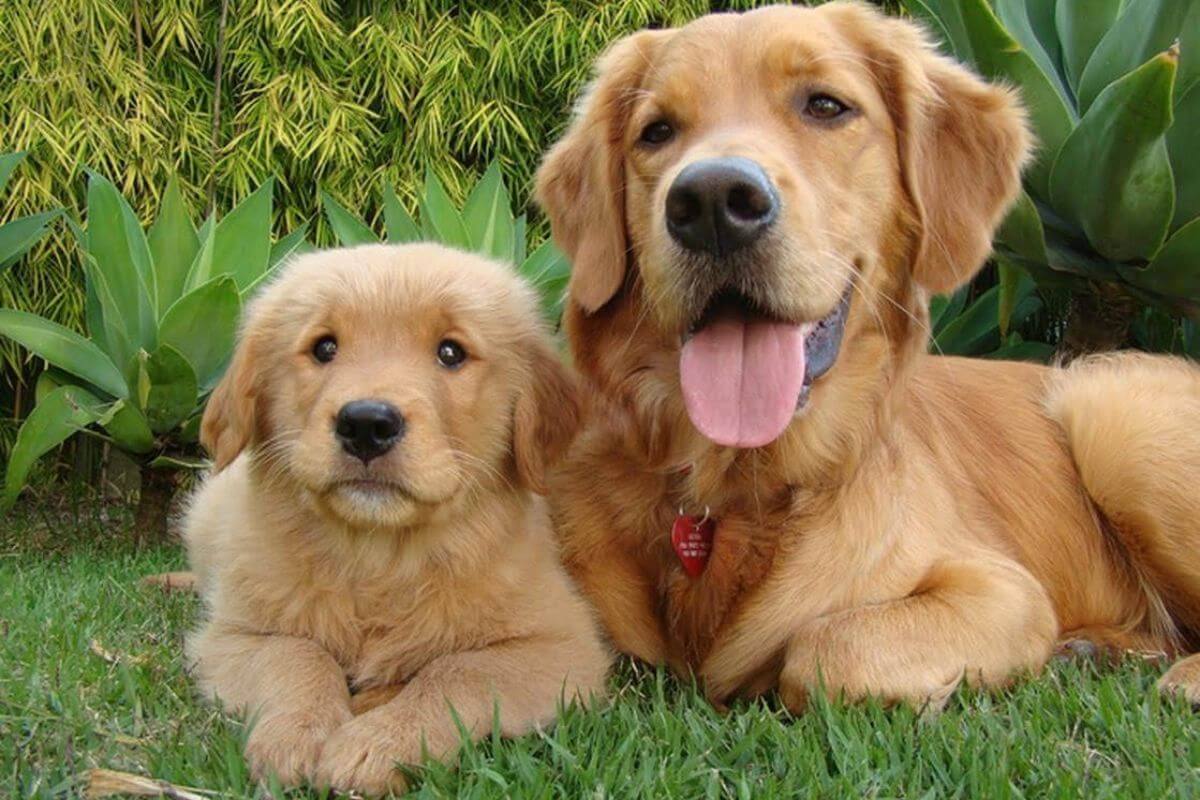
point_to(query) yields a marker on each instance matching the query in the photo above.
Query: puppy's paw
(289, 744)
(364, 754)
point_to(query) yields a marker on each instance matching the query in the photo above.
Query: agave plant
(1111, 207)
(162, 311)
(485, 225)
(963, 325)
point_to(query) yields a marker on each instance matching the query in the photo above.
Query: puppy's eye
(656, 132)
(824, 107)
(450, 353)
(324, 349)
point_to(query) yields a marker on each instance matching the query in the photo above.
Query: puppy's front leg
(293, 686)
(523, 679)
(982, 620)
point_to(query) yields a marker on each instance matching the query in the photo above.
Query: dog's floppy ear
(962, 145)
(546, 417)
(230, 418)
(581, 182)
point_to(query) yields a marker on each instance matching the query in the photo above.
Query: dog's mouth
(745, 372)
(380, 488)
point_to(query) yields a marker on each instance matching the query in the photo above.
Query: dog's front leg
(522, 681)
(979, 620)
(292, 687)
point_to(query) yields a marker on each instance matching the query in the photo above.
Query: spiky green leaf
(1113, 174)
(19, 235)
(1144, 28)
(440, 220)
(1081, 24)
(64, 348)
(487, 216)
(242, 239)
(202, 325)
(118, 247)
(173, 246)
(1183, 146)
(59, 415)
(1175, 271)
(349, 229)
(396, 220)
(167, 388)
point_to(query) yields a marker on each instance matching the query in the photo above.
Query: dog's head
(386, 384)
(770, 186)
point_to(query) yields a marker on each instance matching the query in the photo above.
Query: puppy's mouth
(378, 488)
(745, 372)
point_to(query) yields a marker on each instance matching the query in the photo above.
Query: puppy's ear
(546, 418)
(581, 182)
(230, 418)
(962, 145)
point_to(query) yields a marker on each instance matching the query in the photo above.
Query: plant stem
(1097, 322)
(154, 501)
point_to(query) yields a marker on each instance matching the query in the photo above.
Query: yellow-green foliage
(317, 92)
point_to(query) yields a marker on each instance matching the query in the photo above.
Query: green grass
(66, 581)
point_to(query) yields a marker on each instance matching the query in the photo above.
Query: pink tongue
(741, 379)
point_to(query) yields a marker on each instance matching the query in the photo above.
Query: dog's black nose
(368, 428)
(719, 205)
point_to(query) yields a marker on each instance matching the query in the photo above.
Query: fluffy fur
(922, 519)
(350, 607)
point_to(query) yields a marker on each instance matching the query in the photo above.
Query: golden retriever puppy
(368, 548)
(758, 207)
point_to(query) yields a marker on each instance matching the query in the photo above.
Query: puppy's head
(755, 177)
(390, 384)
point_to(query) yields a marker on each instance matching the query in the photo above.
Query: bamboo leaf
(8, 163)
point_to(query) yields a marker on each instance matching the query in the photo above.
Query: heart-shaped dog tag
(692, 538)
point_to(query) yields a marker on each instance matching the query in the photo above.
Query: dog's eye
(324, 349)
(656, 132)
(824, 107)
(450, 353)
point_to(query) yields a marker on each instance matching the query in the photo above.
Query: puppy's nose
(719, 205)
(368, 428)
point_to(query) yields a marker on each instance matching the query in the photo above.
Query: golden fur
(922, 519)
(349, 618)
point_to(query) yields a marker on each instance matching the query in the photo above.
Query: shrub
(1111, 207)
(162, 311)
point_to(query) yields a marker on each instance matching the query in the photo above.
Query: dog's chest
(698, 607)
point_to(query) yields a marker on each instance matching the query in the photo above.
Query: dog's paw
(925, 688)
(363, 756)
(1183, 680)
(288, 745)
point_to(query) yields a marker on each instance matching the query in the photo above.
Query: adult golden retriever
(369, 550)
(758, 207)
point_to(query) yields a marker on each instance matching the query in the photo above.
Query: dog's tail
(1132, 423)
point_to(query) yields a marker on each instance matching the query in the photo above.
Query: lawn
(91, 675)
